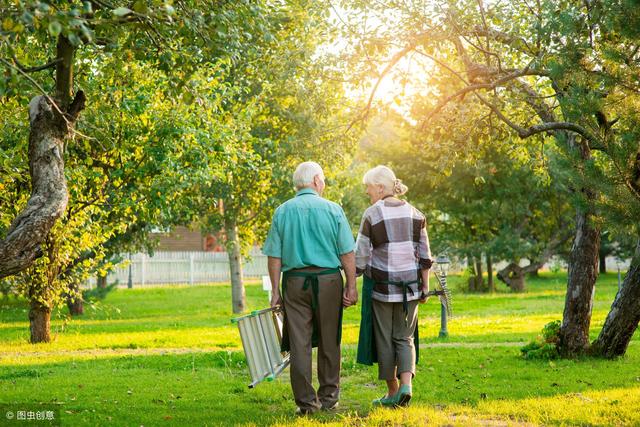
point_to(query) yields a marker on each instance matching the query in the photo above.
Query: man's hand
(350, 296)
(276, 299)
(274, 265)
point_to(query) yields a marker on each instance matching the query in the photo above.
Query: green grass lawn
(170, 356)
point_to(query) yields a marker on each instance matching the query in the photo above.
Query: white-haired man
(309, 240)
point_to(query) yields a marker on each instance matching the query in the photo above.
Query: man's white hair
(304, 174)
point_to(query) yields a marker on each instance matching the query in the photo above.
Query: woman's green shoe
(403, 396)
(385, 401)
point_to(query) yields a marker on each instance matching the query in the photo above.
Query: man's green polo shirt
(309, 231)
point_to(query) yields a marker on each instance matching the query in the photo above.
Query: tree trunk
(624, 316)
(51, 123)
(39, 323)
(101, 281)
(476, 281)
(583, 272)
(471, 285)
(514, 276)
(603, 263)
(491, 283)
(479, 277)
(238, 298)
(48, 194)
(75, 302)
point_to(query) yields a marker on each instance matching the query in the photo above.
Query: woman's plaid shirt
(392, 246)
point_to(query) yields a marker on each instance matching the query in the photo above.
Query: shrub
(544, 347)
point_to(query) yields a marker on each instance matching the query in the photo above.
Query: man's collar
(306, 190)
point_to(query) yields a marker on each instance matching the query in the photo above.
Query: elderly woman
(392, 250)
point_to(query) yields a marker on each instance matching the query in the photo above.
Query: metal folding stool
(261, 334)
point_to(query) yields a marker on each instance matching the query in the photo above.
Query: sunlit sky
(408, 78)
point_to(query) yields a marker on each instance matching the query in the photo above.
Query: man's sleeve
(273, 244)
(346, 243)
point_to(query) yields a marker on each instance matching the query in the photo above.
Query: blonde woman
(392, 251)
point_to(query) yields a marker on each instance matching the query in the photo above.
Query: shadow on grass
(159, 335)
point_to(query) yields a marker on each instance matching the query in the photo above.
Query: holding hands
(350, 296)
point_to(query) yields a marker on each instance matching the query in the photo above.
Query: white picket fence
(182, 268)
(207, 267)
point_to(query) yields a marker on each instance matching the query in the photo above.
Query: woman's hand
(424, 290)
(424, 287)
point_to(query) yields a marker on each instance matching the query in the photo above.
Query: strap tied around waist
(311, 280)
(405, 285)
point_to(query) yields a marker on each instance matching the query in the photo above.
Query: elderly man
(309, 240)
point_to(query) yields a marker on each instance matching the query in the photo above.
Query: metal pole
(444, 333)
(130, 281)
(443, 322)
(619, 279)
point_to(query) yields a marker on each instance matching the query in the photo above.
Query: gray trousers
(300, 328)
(394, 338)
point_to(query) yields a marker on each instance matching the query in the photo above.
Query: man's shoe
(403, 396)
(302, 412)
(330, 408)
(385, 401)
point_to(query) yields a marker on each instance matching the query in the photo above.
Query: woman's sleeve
(424, 251)
(363, 245)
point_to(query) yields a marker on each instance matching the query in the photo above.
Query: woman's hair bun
(399, 187)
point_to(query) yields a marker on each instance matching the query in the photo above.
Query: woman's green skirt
(367, 353)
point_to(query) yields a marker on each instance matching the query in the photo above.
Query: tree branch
(523, 132)
(504, 38)
(24, 69)
(491, 85)
(394, 60)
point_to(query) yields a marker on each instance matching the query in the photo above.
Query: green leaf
(87, 33)
(187, 97)
(55, 28)
(74, 39)
(121, 11)
(140, 6)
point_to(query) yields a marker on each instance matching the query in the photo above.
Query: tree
(558, 68)
(285, 111)
(480, 198)
(173, 41)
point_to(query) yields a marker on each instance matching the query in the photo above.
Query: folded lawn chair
(261, 333)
